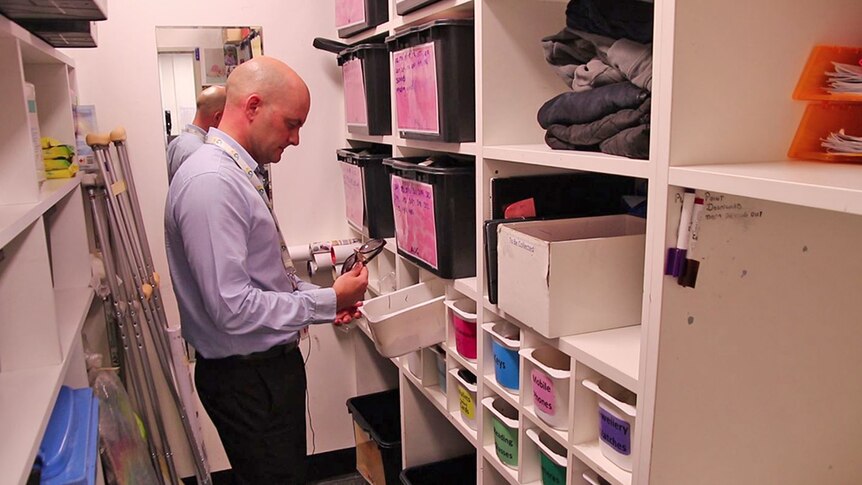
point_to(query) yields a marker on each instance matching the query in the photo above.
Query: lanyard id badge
(258, 185)
(192, 131)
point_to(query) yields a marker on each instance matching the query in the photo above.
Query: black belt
(271, 353)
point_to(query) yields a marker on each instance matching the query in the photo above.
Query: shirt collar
(197, 129)
(236, 146)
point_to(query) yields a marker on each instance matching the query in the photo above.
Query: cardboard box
(571, 276)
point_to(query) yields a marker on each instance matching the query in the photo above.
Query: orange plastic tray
(819, 120)
(812, 84)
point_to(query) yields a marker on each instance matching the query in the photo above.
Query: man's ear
(252, 106)
(217, 118)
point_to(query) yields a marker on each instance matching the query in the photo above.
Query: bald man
(241, 306)
(210, 105)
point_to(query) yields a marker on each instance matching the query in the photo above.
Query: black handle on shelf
(329, 45)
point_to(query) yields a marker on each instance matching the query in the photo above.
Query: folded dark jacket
(573, 47)
(572, 108)
(583, 136)
(631, 142)
(634, 60)
(632, 19)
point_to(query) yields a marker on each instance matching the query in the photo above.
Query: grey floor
(352, 479)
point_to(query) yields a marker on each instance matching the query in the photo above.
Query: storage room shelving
(44, 268)
(773, 313)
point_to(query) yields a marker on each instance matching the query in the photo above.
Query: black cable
(308, 399)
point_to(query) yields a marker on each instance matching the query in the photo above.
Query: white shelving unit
(45, 267)
(749, 377)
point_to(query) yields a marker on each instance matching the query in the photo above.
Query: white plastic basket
(407, 320)
(617, 416)
(549, 380)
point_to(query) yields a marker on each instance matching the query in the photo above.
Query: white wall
(121, 78)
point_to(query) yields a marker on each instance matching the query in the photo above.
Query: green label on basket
(506, 443)
(552, 474)
(468, 407)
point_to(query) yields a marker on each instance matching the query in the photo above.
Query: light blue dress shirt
(180, 148)
(234, 295)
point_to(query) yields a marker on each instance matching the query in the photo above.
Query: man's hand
(350, 287)
(343, 317)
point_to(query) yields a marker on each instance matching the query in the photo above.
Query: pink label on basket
(543, 392)
(353, 201)
(415, 227)
(349, 12)
(355, 107)
(465, 337)
(416, 89)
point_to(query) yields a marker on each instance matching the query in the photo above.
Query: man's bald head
(210, 106)
(267, 103)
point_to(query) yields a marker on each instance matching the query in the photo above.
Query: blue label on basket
(615, 432)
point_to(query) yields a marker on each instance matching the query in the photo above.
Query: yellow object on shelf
(64, 173)
(57, 163)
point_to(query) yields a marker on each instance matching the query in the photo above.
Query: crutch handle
(98, 139)
(147, 289)
(118, 134)
(157, 279)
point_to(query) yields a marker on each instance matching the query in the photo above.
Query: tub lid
(435, 164)
(349, 52)
(354, 155)
(428, 25)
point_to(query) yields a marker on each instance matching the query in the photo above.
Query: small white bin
(553, 461)
(505, 346)
(549, 379)
(467, 398)
(414, 363)
(617, 416)
(407, 320)
(572, 276)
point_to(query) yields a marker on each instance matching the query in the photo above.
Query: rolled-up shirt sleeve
(217, 220)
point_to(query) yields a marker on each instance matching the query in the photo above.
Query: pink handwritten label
(355, 109)
(543, 392)
(415, 227)
(349, 13)
(416, 89)
(353, 197)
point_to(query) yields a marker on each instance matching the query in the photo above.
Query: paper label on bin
(349, 13)
(355, 107)
(415, 227)
(353, 198)
(543, 392)
(615, 432)
(416, 89)
(468, 407)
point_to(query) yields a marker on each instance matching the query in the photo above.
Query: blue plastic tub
(69, 448)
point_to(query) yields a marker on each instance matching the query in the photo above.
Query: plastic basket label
(415, 227)
(543, 392)
(506, 363)
(355, 107)
(468, 407)
(353, 196)
(349, 13)
(551, 472)
(506, 443)
(615, 432)
(416, 89)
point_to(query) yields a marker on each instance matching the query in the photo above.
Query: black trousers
(258, 408)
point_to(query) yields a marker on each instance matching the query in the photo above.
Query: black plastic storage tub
(435, 94)
(354, 16)
(406, 6)
(454, 471)
(377, 428)
(367, 106)
(366, 179)
(434, 205)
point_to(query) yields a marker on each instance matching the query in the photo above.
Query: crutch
(171, 353)
(118, 223)
(118, 303)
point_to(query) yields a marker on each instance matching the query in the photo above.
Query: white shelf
(613, 353)
(33, 49)
(27, 396)
(529, 410)
(469, 148)
(14, 218)
(831, 186)
(545, 156)
(471, 366)
(467, 287)
(509, 474)
(440, 9)
(433, 393)
(380, 139)
(508, 396)
(471, 434)
(357, 38)
(592, 456)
